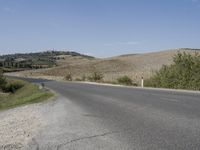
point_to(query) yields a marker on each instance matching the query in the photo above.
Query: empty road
(92, 117)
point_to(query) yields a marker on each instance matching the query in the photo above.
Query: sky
(101, 28)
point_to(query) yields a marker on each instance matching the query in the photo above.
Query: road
(107, 117)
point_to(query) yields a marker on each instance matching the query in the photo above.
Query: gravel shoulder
(19, 125)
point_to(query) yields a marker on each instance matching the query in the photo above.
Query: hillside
(45, 59)
(133, 65)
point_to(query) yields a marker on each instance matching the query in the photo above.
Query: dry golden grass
(132, 65)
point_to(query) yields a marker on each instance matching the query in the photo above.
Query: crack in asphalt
(90, 137)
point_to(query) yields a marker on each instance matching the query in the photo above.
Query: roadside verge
(29, 93)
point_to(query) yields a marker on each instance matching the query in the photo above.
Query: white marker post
(142, 82)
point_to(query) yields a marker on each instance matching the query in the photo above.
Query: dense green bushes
(29, 93)
(12, 86)
(184, 73)
(3, 81)
(9, 85)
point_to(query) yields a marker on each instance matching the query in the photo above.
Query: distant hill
(133, 65)
(46, 54)
(45, 59)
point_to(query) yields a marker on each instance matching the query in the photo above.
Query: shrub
(184, 73)
(78, 79)
(96, 77)
(125, 80)
(12, 86)
(68, 77)
(83, 78)
(3, 81)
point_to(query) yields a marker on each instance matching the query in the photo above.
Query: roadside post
(42, 85)
(142, 82)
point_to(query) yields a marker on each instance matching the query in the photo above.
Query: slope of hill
(135, 66)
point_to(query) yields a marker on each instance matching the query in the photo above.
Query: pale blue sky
(98, 27)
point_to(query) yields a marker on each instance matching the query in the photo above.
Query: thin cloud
(123, 43)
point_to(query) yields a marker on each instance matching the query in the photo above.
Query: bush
(96, 77)
(12, 86)
(83, 78)
(9, 85)
(68, 77)
(184, 73)
(125, 80)
(3, 81)
(78, 79)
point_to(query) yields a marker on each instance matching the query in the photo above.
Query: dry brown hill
(133, 65)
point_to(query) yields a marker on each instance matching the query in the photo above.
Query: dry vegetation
(133, 65)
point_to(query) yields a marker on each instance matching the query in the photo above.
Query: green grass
(29, 93)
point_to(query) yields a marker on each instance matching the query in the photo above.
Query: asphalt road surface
(92, 117)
